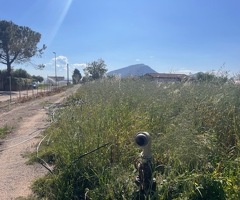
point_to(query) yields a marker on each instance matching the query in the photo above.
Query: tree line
(94, 70)
(21, 73)
(18, 44)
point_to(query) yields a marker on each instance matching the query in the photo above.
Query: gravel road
(27, 120)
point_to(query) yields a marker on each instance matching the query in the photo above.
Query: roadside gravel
(27, 120)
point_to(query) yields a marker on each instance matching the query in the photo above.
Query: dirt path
(27, 120)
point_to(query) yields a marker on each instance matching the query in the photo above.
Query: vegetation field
(195, 134)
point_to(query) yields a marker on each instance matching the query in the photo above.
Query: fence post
(19, 93)
(10, 88)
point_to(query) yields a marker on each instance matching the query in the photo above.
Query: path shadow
(5, 93)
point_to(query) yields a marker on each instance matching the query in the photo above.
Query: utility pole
(67, 74)
(55, 67)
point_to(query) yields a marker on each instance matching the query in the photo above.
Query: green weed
(4, 131)
(194, 128)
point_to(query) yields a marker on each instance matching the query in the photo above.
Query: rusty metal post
(144, 166)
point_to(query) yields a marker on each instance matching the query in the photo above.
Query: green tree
(209, 77)
(17, 44)
(76, 77)
(95, 69)
(3, 73)
(21, 73)
(37, 78)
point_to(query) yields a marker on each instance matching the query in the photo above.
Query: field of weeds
(195, 134)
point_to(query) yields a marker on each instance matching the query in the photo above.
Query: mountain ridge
(132, 70)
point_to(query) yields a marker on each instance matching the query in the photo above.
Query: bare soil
(27, 121)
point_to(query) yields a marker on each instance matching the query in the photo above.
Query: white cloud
(61, 63)
(138, 60)
(80, 65)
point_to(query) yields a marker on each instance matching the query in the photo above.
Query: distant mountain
(133, 70)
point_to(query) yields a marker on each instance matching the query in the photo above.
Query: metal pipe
(145, 180)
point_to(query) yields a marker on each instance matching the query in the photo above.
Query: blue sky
(177, 36)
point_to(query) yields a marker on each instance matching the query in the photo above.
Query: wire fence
(22, 95)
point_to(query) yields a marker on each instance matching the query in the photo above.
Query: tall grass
(195, 130)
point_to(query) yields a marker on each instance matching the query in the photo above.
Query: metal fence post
(10, 88)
